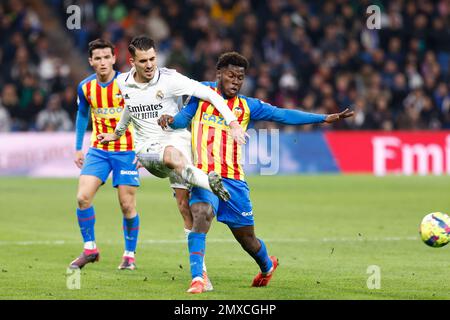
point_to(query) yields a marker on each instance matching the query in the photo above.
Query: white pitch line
(175, 241)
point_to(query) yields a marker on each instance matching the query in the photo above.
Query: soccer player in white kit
(149, 92)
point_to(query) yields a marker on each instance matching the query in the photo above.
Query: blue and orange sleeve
(263, 111)
(184, 117)
(82, 118)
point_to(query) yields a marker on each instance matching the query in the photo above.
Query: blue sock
(130, 233)
(196, 244)
(86, 221)
(262, 258)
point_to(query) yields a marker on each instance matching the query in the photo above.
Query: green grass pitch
(325, 230)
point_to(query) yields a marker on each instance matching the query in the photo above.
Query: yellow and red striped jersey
(213, 147)
(106, 104)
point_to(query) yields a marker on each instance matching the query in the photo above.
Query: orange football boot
(197, 286)
(261, 280)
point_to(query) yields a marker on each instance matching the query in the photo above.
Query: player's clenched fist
(104, 138)
(164, 121)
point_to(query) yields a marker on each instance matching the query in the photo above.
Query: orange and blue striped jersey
(213, 147)
(105, 103)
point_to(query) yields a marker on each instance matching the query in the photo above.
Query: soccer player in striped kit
(99, 97)
(214, 150)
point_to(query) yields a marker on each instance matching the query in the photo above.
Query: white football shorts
(152, 152)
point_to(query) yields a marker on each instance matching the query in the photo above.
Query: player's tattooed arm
(121, 127)
(123, 124)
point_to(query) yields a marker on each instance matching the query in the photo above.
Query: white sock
(196, 177)
(90, 245)
(186, 232)
(128, 254)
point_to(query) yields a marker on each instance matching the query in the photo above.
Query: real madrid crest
(159, 95)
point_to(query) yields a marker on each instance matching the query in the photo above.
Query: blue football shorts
(100, 163)
(237, 212)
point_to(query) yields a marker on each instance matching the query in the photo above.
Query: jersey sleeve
(207, 94)
(182, 85)
(260, 110)
(124, 122)
(82, 118)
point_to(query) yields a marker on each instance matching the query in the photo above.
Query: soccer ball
(435, 229)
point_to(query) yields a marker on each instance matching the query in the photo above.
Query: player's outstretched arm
(263, 111)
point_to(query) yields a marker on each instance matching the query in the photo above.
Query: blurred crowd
(317, 56)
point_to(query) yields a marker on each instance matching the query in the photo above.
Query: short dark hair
(141, 42)
(100, 44)
(233, 58)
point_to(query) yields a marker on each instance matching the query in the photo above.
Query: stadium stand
(314, 55)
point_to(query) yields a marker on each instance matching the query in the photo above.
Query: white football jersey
(146, 102)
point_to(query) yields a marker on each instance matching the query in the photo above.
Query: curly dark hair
(233, 58)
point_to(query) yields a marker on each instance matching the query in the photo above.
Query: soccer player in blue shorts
(99, 97)
(214, 150)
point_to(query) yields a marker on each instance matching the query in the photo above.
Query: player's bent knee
(202, 215)
(84, 201)
(173, 158)
(128, 208)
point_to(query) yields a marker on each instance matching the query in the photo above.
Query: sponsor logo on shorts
(128, 172)
(247, 214)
